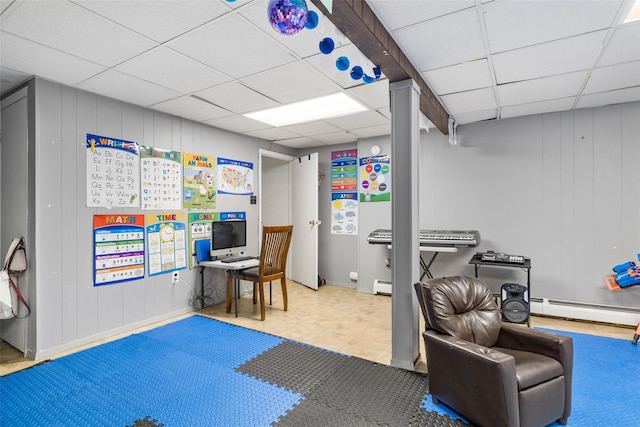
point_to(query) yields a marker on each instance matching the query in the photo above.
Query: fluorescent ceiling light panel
(634, 13)
(325, 107)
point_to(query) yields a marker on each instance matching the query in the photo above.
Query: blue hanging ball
(368, 79)
(312, 20)
(287, 17)
(342, 63)
(356, 72)
(326, 45)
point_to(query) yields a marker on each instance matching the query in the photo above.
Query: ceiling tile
(326, 64)
(374, 95)
(393, 13)
(542, 89)
(162, 21)
(614, 77)
(114, 84)
(272, 134)
(624, 45)
(619, 96)
(75, 30)
(476, 116)
(302, 82)
(452, 39)
(191, 108)
(237, 123)
(35, 59)
(464, 102)
(168, 68)
(232, 46)
(547, 59)
(359, 120)
(301, 142)
(371, 131)
(10, 79)
(332, 138)
(515, 24)
(459, 78)
(237, 98)
(537, 107)
(312, 128)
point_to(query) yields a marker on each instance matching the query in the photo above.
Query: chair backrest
(275, 247)
(460, 306)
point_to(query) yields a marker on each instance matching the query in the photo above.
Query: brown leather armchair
(492, 373)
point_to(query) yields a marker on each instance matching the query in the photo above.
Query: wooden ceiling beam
(356, 20)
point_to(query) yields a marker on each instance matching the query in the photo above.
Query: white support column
(405, 144)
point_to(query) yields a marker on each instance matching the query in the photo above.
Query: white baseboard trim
(582, 311)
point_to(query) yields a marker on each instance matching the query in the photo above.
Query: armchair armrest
(478, 381)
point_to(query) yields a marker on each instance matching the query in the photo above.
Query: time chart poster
(167, 242)
(161, 178)
(118, 254)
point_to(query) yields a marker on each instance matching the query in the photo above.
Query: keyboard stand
(436, 250)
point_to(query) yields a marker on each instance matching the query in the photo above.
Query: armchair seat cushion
(532, 368)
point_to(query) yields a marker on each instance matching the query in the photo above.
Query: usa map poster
(118, 248)
(161, 178)
(199, 181)
(167, 242)
(344, 192)
(235, 177)
(113, 172)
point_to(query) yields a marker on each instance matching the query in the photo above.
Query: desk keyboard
(236, 259)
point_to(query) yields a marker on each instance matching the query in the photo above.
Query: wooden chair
(273, 262)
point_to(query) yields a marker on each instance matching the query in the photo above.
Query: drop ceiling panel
(395, 17)
(542, 89)
(191, 108)
(336, 138)
(359, 120)
(237, 123)
(326, 64)
(459, 78)
(272, 134)
(614, 77)
(312, 128)
(168, 68)
(162, 21)
(232, 46)
(302, 82)
(612, 97)
(546, 59)
(35, 59)
(516, 24)
(237, 98)
(374, 95)
(476, 116)
(452, 39)
(537, 107)
(114, 84)
(70, 28)
(465, 102)
(624, 45)
(371, 131)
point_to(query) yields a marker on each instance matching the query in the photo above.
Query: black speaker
(515, 303)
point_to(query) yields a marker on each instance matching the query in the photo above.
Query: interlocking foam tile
(311, 413)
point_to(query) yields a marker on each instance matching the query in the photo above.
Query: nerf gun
(626, 275)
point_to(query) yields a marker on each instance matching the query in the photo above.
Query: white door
(304, 241)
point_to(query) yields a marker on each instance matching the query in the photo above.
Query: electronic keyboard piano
(439, 238)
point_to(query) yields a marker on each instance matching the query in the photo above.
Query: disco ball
(287, 17)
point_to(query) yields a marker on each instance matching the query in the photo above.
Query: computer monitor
(228, 238)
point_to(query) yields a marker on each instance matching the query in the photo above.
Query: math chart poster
(199, 229)
(113, 173)
(161, 178)
(235, 177)
(344, 192)
(166, 242)
(199, 181)
(375, 179)
(118, 242)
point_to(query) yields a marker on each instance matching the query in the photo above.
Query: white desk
(233, 268)
(436, 250)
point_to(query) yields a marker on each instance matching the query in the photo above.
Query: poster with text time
(166, 242)
(118, 248)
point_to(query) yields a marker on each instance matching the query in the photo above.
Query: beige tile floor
(333, 317)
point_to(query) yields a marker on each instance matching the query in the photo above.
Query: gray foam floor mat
(340, 390)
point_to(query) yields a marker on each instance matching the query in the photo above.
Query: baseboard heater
(381, 287)
(585, 311)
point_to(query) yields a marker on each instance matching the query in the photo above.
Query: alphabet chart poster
(167, 242)
(344, 192)
(235, 177)
(375, 179)
(199, 181)
(113, 172)
(161, 178)
(118, 254)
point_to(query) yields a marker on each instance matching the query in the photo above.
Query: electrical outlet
(176, 277)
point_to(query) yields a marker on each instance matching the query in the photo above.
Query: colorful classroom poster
(235, 177)
(375, 179)
(199, 229)
(344, 192)
(161, 178)
(199, 181)
(113, 173)
(118, 248)
(167, 242)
